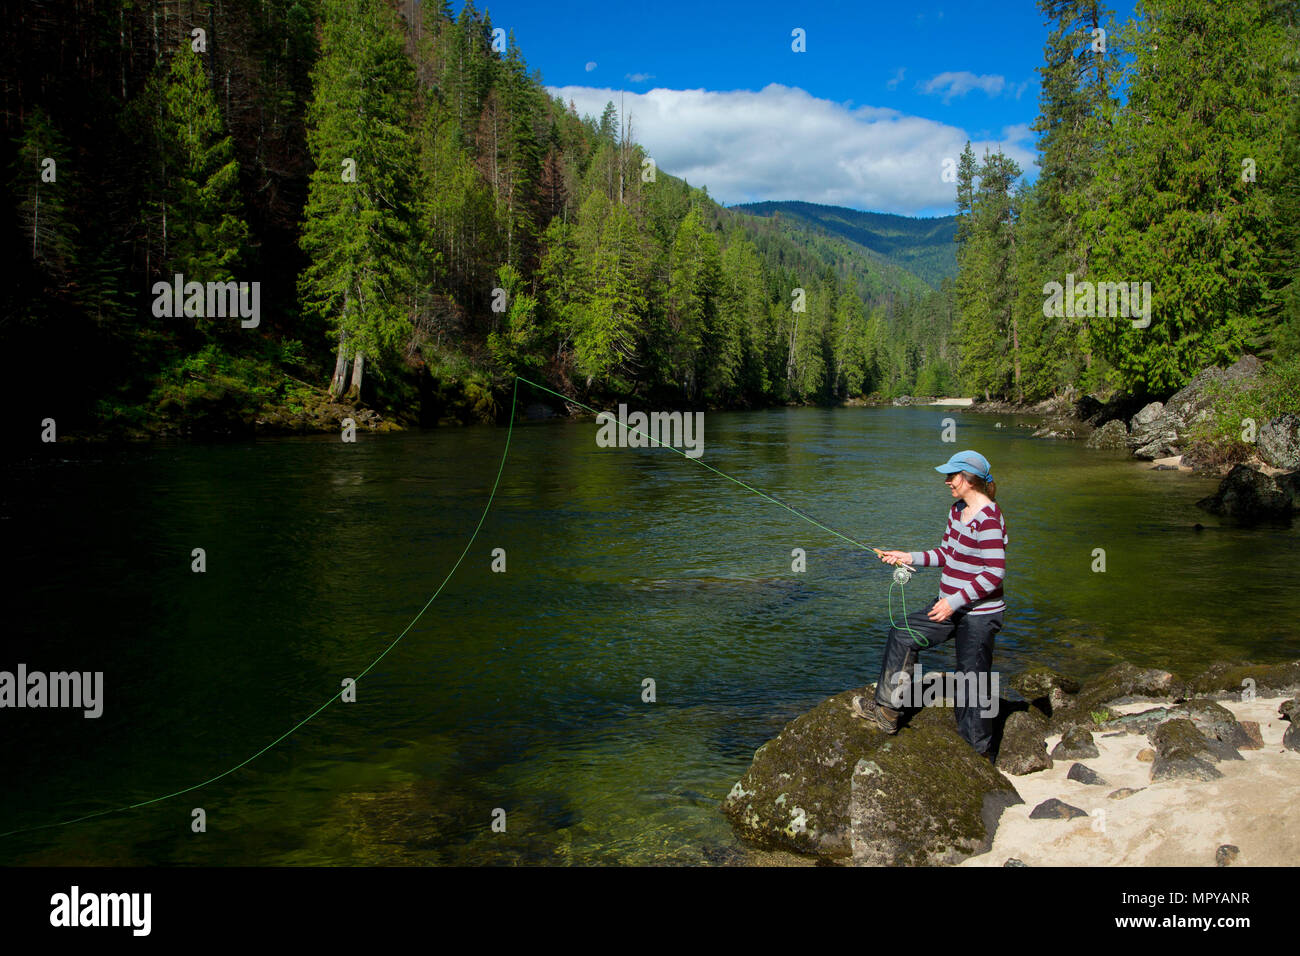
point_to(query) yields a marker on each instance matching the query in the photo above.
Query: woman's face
(957, 483)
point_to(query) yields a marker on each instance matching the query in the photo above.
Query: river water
(518, 696)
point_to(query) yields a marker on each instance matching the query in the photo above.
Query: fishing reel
(902, 574)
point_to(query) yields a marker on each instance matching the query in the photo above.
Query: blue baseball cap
(971, 461)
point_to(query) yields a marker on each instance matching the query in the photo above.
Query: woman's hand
(941, 611)
(895, 557)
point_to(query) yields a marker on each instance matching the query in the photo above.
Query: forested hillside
(387, 210)
(419, 220)
(924, 247)
(1169, 153)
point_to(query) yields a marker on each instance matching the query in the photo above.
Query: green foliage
(213, 392)
(357, 233)
(1203, 89)
(194, 210)
(1222, 438)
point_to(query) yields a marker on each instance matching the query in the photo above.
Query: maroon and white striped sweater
(974, 560)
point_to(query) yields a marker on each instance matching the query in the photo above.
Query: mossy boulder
(834, 786)
(1230, 679)
(920, 806)
(1183, 752)
(1024, 744)
(1045, 689)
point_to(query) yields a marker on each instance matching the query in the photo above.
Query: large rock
(1183, 752)
(1247, 495)
(1278, 442)
(1024, 744)
(908, 806)
(1212, 720)
(1122, 684)
(833, 786)
(1045, 689)
(1147, 416)
(1157, 430)
(1233, 678)
(1111, 435)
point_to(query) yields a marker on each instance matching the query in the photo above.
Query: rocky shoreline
(833, 789)
(1266, 487)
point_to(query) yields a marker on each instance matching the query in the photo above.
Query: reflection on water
(519, 695)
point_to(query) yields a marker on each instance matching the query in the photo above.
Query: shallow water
(522, 691)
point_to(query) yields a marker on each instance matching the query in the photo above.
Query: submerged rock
(1248, 495)
(834, 786)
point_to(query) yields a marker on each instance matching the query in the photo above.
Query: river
(519, 696)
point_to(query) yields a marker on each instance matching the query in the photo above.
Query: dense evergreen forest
(394, 214)
(1169, 154)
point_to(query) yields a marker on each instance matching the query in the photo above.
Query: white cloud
(591, 65)
(782, 143)
(639, 77)
(961, 82)
(896, 78)
(1019, 133)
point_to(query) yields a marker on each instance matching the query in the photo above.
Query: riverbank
(1133, 821)
(1133, 767)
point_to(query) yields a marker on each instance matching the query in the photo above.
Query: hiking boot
(882, 717)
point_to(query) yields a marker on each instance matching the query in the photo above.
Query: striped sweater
(973, 558)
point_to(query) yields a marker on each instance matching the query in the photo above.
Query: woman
(970, 605)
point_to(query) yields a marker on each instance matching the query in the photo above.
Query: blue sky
(864, 118)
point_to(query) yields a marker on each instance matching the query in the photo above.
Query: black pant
(975, 633)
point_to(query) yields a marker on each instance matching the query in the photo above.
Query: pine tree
(1076, 80)
(989, 327)
(42, 198)
(194, 210)
(698, 351)
(356, 230)
(1205, 94)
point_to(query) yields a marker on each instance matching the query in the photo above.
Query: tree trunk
(340, 380)
(358, 365)
(1015, 347)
